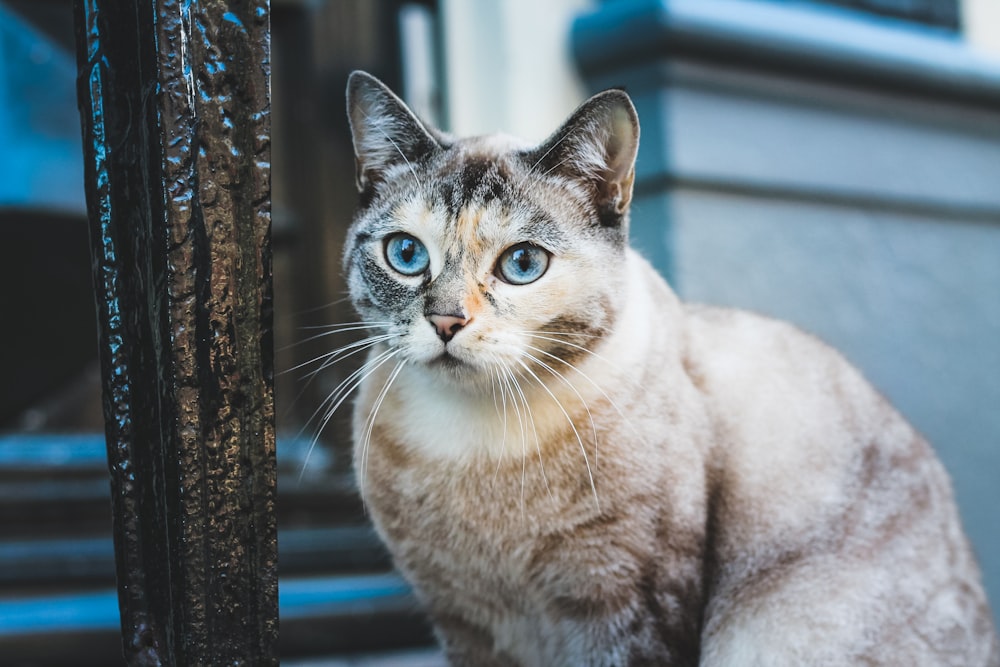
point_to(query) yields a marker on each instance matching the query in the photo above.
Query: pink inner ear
(621, 145)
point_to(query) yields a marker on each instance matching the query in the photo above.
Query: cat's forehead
(492, 145)
(476, 215)
(477, 169)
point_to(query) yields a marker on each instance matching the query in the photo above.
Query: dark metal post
(174, 100)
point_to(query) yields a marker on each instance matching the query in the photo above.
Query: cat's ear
(384, 130)
(598, 145)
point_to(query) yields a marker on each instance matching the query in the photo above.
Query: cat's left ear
(384, 130)
(598, 145)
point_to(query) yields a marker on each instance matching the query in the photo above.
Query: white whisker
(337, 397)
(538, 446)
(596, 386)
(583, 449)
(316, 309)
(331, 358)
(569, 344)
(345, 326)
(569, 384)
(336, 355)
(496, 380)
(370, 425)
(532, 170)
(560, 333)
(332, 330)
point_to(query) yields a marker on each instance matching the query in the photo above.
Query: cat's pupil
(408, 250)
(523, 259)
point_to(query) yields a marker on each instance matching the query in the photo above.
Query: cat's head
(481, 252)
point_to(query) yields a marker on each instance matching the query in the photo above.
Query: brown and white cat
(572, 467)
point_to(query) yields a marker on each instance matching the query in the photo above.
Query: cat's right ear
(384, 130)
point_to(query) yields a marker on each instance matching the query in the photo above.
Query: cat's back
(824, 497)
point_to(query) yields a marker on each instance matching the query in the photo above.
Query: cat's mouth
(447, 360)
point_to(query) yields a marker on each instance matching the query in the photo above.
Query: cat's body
(581, 470)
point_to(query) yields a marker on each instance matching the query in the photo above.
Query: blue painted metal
(63, 613)
(52, 451)
(639, 43)
(794, 38)
(299, 598)
(942, 13)
(42, 164)
(70, 451)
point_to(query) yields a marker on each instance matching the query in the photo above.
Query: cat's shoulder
(740, 338)
(744, 358)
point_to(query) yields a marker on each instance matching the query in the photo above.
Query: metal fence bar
(174, 99)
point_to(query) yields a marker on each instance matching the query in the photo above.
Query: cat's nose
(447, 325)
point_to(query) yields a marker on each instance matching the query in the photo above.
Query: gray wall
(822, 169)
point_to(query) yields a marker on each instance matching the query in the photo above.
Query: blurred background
(835, 163)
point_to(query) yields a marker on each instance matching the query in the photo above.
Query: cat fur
(591, 472)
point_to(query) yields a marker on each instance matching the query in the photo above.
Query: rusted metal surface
(174, 100)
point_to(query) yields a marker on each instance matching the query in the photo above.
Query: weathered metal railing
(174, 97)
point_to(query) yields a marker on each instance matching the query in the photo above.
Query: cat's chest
(481, 529)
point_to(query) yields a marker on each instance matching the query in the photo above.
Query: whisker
(494, 384)
(583, 449)
(572, 345)
(370, 425)
(511, 383)
(610, 400)
(344, 325)
(495, 370)
(315, 309)
(331, 358)
(336, 355)
(342, 391)
(347, 351)
(560, 333)
(337, 397)
(538, 447)
(569, 384)
(332, 329)
(531, 171)
(554, 167)
(506, 379)
(341, 354)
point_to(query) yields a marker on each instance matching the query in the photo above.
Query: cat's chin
(449, 362)
(452, 369)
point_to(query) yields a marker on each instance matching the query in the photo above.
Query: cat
(573, 467)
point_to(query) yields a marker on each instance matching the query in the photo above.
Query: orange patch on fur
(473, 303)
(467, 228)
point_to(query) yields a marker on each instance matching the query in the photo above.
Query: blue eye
(522, 264)
(406, 254)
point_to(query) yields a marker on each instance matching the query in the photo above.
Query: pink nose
(447, 325)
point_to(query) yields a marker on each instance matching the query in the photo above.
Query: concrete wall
(981, 24)
(838, 172)
(508, 65)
